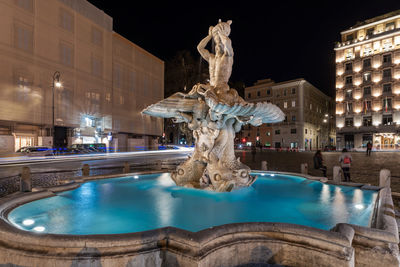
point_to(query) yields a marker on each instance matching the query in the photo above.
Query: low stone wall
(239, 244)
(48, 179)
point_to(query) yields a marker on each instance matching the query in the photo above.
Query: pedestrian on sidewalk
(319, 162)
(369, 148)
(345, 160)
(253, 152)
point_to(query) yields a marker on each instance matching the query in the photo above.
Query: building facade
(105, 79)
(367, 84)
(308, 124)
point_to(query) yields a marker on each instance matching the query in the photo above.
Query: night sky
(280, 40)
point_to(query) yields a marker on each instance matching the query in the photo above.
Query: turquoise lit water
(125, 205)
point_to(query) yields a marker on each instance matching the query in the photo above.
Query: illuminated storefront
(386, 141)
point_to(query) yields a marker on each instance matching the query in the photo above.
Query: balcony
(369, 37)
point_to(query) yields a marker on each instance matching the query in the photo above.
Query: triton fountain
(214, 112)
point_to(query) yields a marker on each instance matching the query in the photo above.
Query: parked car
(32, 151)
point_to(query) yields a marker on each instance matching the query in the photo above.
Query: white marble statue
(215, 113)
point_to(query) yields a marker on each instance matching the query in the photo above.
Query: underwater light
(359, 206)
(272, 175)
(39, 229)
(28, 222)
(136, 177)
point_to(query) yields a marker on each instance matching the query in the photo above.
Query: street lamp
(56, 83)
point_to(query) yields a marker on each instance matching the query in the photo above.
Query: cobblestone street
(363, 170)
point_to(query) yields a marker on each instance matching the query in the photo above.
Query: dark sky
(281, 40)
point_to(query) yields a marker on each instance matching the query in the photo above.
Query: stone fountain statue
(215, 113)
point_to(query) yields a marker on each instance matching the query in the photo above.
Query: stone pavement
(363, 170)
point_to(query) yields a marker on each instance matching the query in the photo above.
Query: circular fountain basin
(147, 202)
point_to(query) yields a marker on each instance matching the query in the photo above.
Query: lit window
(367, 77)
(293, 103)
(285, 104)
(389, 26)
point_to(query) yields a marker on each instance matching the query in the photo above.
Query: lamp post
(56, 83)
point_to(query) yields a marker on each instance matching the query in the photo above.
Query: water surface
(132, 204)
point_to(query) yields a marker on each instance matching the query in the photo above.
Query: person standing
(369, 148)
(345, 160)
(319, 162)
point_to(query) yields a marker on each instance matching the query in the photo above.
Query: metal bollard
(263, 165)
(384, 178)
(337, 174)
(26, 180)
(127, 167)
(158, 165)
(85, 170)
(304, 168)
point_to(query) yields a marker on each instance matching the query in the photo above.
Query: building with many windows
(308, 124)
(105, 80)
(367, 84)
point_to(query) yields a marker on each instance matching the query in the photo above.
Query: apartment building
(308, 124)
(367, 84)
(65, 73)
